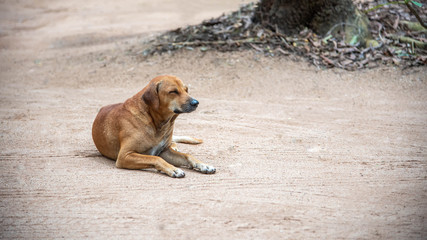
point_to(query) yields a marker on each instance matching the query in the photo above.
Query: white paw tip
(178, 173)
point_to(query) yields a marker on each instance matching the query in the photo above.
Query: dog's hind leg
(181, 159)
(186, 139)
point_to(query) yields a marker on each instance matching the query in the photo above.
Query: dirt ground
(301, 153)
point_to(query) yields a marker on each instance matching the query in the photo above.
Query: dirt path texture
(300, 152)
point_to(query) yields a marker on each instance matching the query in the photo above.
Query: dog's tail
(186, 139)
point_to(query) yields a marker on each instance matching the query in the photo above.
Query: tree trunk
(322, 16)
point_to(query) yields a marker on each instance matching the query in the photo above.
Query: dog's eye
(174, 92)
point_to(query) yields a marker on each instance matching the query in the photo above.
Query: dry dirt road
(301, 153)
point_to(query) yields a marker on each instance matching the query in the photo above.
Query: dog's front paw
(177, 173)
(201, 167)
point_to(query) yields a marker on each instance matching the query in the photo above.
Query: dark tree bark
(291, 16)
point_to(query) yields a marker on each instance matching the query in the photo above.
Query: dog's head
(169, 94)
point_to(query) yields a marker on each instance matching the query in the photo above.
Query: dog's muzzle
(188, 107)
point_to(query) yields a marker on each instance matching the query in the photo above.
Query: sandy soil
(301, 153)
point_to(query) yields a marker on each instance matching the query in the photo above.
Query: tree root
(414, 42)
(414, 26)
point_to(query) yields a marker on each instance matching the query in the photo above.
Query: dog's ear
(151, 95)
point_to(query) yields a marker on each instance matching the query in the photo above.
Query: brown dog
(138, 133)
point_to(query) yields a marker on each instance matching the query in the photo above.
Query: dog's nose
(194, 102)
